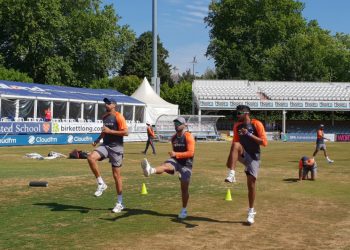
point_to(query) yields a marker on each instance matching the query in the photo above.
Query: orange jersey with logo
(320, 135)
(150, 132)
(183, 147)
(250, 146)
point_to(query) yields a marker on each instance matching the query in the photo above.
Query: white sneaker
(146, 167)
(230, 177)
(251, 215)
(330, 161)
(100, 189)
(182, 214)
(118, 208)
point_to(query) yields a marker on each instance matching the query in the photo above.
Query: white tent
(155, 105)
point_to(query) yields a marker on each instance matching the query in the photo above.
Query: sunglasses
(177, 123)
(242, 112)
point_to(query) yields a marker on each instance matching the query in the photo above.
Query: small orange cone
(228, 195)
(144, 189)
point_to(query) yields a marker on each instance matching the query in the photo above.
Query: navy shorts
(115, 157)
(185, 172)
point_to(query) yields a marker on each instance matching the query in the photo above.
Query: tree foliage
(270, 40)
(62, 42)
(138, 59)
(124, 84)
(180, 94)
(13, 75)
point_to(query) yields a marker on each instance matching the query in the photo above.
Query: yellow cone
(144, 189)
(228, 195)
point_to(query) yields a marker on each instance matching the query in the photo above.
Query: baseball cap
(109, 100)
(304, 159)
(180, 120)
(321, 125)
(148, 123)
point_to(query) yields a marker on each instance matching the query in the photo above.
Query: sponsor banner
(304, 137)
(43, 139)
(301, 137)
(276, 105)
(343, 137)
(76, 128)
(13, 128)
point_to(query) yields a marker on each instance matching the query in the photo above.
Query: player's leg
(185, 196)
(251, 181)
(148, 169)
(92, 159)
(147, 145)
(326, 155)
(235, 151)
(152, 145)
(116, 159)
(251, 170)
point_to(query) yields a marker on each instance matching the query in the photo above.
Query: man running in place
(249, 134)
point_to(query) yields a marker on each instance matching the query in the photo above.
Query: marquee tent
(155, 105)
(27, 100)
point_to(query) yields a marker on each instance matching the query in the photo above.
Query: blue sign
(301, 137)
(44, 139)
(15, 128)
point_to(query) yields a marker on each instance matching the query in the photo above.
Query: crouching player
(307, 165)
(181, 161)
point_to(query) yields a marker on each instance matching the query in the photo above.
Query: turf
(65, 215)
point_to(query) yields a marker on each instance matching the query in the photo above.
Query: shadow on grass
(173, 217)
(56, 207)
(290, 180)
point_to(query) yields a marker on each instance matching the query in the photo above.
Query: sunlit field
(66, 215)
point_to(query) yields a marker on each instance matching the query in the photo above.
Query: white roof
(146, 94)
(155, 105)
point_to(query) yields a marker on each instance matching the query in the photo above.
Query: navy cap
(304, 159)
(180, 120)
(109, 100)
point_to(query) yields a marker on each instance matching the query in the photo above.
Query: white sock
(183, 209)
(251, 209)
(120, 198)
(153, 170)
(232, 171)
(99, 180)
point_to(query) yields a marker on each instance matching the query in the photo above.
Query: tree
(13, 75)
(242, 31)
(310, 56)
(138, 59)
(62, 42)
(180, 94)
(187, 76)
(124, 84)
(209, 74)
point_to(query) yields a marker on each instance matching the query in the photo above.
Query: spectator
(48, 115)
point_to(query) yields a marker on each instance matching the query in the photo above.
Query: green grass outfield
(65, 215)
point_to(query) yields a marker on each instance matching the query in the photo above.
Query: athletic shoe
(230, 177)
(330, 161)
(118, 208)
(146, 167)
(100, 188)
(251, 215)
(182, 214)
